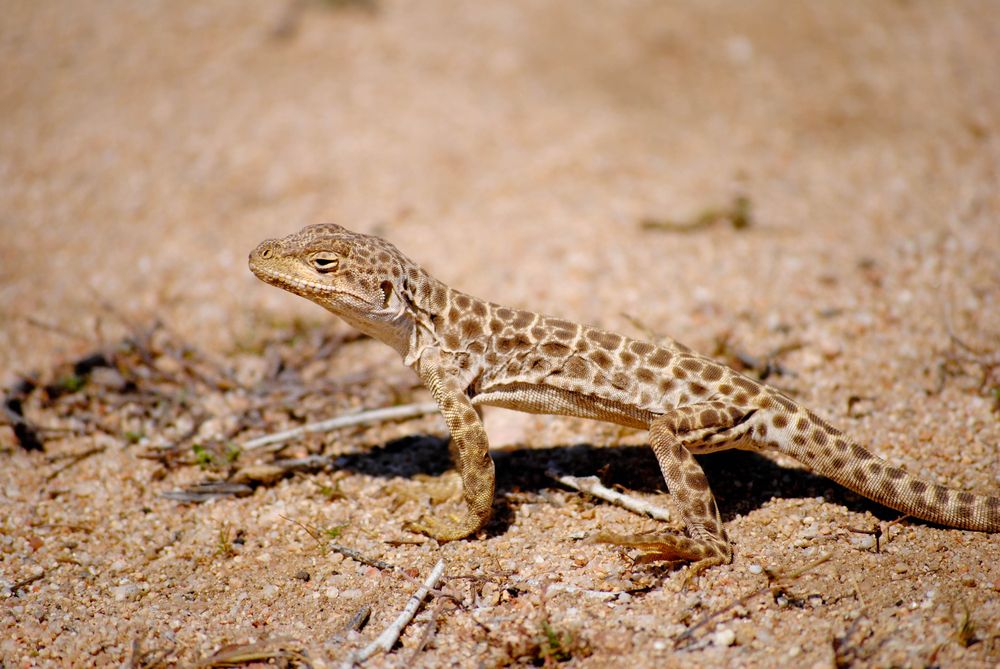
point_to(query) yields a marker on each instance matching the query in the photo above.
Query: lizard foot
(449, 529)
(702, 554)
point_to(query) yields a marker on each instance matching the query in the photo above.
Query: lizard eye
(325, 262)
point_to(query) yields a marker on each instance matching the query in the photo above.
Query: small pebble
(755, 569)
(723, 638)
(865, 541)
(121, 593)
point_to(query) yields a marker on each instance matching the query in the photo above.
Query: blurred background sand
(510, 147)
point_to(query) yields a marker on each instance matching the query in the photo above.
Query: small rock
(865, 541)
(128, 591)
(723, 638)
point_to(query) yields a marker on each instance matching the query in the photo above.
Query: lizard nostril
(266, 254)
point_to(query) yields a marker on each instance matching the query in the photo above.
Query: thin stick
(358, 557)
(25, 582)
(350, 420)
(593, 486)
(387, 639)
(75, 459)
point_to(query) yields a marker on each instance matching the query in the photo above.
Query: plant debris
(738, 213)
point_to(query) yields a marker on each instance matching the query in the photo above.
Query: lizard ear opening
(386, 287)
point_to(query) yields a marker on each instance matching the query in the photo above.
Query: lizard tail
(827, 451)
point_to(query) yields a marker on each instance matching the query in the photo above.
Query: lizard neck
(395, 331)
(427, 303)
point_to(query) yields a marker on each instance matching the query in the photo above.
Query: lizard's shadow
(741, 481)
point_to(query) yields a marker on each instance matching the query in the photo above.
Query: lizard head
(358, 277)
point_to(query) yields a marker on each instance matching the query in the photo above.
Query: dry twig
(350, 420)
(593, 486)
(25, 582)
(387, 639)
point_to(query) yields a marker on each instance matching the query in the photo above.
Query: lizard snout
(266, 250)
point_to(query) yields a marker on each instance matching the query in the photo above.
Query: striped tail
(827, 451)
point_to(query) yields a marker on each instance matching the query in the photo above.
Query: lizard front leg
(469, 448)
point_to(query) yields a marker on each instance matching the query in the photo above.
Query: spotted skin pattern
(470, 353)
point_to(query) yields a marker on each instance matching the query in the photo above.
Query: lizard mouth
(290, 282)
(310, 289)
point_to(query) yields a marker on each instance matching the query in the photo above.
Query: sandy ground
(513, 149)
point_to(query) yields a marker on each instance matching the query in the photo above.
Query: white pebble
(123, 592)
(865, 541)
(723, 638)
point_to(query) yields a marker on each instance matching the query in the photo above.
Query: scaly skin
(471, 353)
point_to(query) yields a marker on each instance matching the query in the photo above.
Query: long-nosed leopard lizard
(470, 353)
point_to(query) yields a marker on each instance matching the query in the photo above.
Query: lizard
(471, 353)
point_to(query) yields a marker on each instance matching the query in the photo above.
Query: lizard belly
(542, 399)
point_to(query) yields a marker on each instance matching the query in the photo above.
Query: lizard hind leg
(707, 544)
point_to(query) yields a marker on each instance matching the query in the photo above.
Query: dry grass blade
(282, 653)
